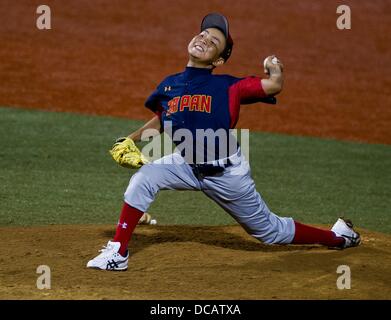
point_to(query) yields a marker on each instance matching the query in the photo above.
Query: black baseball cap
(217, 20)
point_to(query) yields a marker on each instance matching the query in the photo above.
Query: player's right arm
(273, 85)
(154, 124)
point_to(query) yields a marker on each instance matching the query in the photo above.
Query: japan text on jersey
(198, 100)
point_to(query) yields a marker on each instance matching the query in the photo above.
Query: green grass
(55, 169)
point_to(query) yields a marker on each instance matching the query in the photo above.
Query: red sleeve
(245, 91)
(250, 90)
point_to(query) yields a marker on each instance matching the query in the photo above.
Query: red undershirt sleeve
(245, 91)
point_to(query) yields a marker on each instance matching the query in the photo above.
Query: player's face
(207, 46)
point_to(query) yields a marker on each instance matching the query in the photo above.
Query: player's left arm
(274, 84)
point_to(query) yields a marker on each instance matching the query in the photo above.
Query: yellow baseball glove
(126, 154)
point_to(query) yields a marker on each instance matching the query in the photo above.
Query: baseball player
(194, 100)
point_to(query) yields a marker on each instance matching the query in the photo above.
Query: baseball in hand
(274, 61)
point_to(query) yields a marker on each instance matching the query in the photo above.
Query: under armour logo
(123, 225)
(167, 88)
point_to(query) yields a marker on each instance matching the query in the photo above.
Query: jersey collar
(192, 72)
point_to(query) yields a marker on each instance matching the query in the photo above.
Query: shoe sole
(119, 270)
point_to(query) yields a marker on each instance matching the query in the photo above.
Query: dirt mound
(186, 262)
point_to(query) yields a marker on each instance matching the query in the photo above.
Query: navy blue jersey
(198, 100)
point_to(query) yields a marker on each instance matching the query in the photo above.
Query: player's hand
(147, 219)
(272, 65)
(126, 154)
(274, 84)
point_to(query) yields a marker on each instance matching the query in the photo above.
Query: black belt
(206, 169)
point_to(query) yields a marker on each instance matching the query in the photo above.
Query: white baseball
(274, 61)
(153, 221)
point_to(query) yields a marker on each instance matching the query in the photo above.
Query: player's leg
(167, 173)
(341, 235)
(235, 192)
(247, 207)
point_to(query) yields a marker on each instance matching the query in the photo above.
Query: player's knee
(141, 184)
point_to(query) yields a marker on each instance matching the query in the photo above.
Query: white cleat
(344, 228)
(110, 259)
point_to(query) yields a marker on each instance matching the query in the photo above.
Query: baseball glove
(126, 154)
